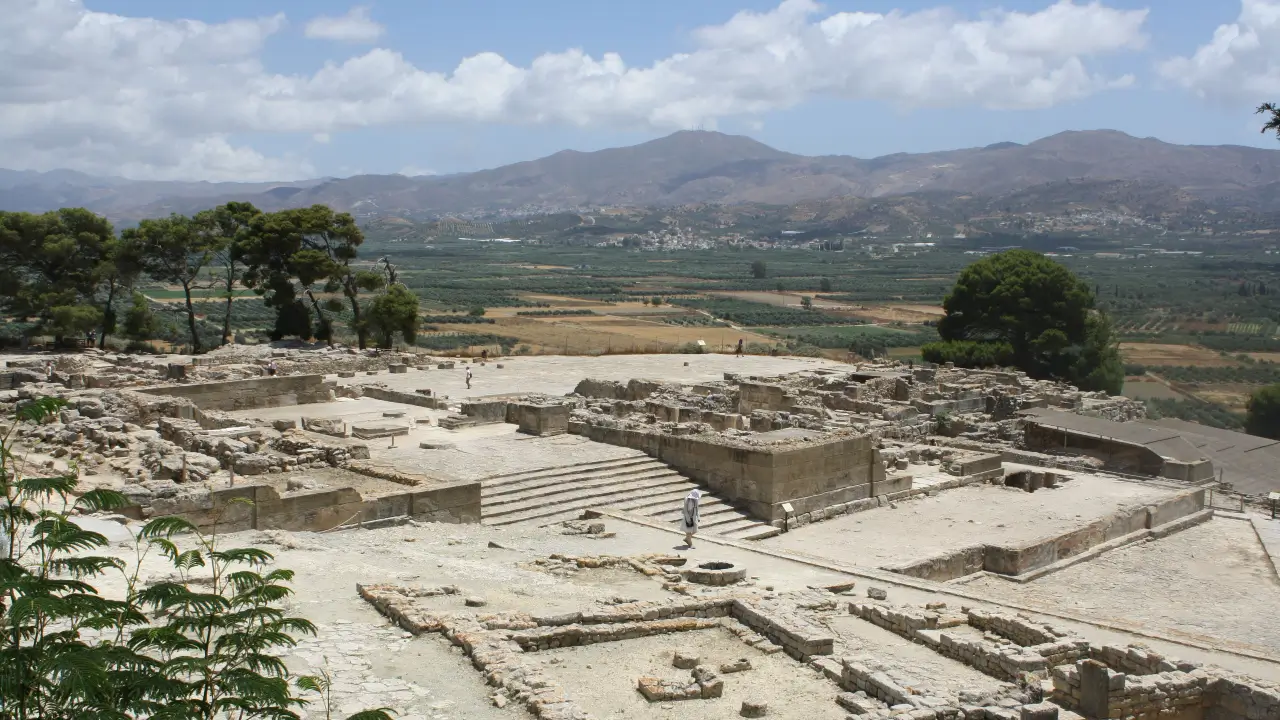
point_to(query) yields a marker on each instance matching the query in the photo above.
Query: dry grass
(1160, 354)
(1232, 396)
(589, 334)
(899, 313)
(783, 299)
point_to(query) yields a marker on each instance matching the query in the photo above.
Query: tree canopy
(176, 250)
(51, 267)
(1263, 418)
(66, 273)
(1018, 308)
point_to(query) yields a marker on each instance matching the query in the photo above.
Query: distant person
(92, 338)
(272, 369)
(689, 517)
(468, 378)
(484, 355)
(739, 350)
(48, 371)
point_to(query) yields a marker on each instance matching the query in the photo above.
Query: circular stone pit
(715, 573)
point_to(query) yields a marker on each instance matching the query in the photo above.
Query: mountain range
(709, 167)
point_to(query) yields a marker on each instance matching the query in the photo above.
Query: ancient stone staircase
(638, 485)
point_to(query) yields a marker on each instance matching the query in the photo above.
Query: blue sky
(862, 117)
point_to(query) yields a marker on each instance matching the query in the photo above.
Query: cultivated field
(1160, 354)
(1148, 389)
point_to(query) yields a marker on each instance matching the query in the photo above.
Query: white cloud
(354, 27)
(1240, 63)
(322, 138)
(152, 98)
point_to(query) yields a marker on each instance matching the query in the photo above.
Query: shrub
(177, 648)
(968, 354)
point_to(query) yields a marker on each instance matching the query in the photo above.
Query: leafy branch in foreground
(203, 646)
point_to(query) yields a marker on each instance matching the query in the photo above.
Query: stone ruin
(1043, 668)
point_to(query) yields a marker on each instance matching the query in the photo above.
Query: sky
(260, 90)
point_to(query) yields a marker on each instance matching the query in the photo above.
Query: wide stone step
(759, 531)
(729, 526)
(563, 470)
(672, 502)
(707, 512)
(541, 507)
(552, 481)
(722, 520)
(554, 493)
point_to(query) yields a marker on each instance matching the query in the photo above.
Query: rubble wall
(1118, 455)
(263, 392)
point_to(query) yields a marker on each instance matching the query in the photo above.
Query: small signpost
(787, 511)
(1275, 501)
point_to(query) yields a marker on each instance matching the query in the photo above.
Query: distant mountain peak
(693, 166)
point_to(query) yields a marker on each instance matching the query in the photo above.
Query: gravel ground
(601, 679)
(559, 374)
(965, 516)
(373, 662)
(1210, 583)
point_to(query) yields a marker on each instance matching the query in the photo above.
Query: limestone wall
(811, 474)
(404, 398)
(762, 396)
(539, 418)
(225, 510)
(262, 392)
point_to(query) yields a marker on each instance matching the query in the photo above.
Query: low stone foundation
(1016, 560)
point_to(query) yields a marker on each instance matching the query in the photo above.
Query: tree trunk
(325, 326)
(191, 318)
(226, 318)
(351, 291)
(108, 315)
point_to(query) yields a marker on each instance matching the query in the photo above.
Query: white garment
(689, 513)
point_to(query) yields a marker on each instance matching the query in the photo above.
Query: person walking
(689, 517)
(468, 378)
(739, 351)
(272, 369)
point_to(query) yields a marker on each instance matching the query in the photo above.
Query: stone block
(373, 430)
(754, 708)
(346, 373)
(325, 426)
(1040, 711)
(685, 659)
(709, 683)
(876, 593)
(398, 369)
